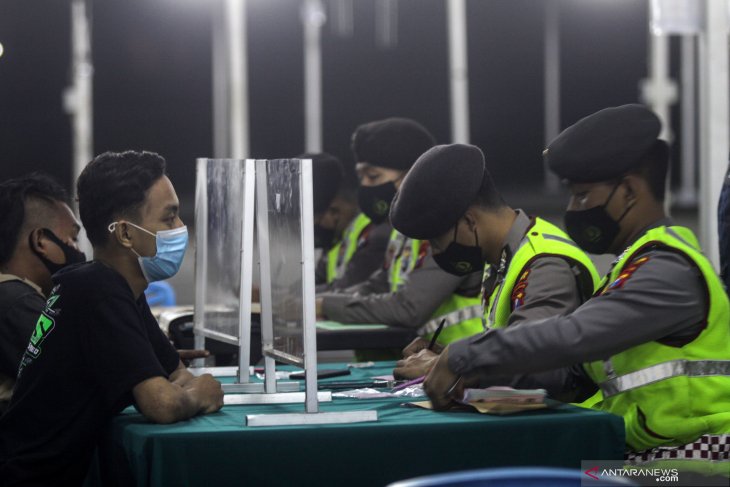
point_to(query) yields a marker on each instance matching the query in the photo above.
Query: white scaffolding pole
(78, 98)
(687, 195)
(313, 18)
(458, 71)
(220, 80)
(230, 81)
(714, 124)
(551, 81)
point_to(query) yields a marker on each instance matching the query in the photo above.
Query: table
(218, 450)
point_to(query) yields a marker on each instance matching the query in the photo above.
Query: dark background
(152, 78)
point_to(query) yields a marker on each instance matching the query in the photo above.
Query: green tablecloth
(219, 450)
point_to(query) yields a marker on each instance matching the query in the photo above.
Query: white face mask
(171, 246)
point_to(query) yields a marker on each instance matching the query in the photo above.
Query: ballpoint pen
(430, 347)
(436, 334)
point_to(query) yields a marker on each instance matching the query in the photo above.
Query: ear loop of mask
(456, 229)
(608, 200)
(112, 226)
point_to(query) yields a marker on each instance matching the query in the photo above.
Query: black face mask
(324, 238)
(375, 201)
(593, 229)
(71, 255)
(459, 259)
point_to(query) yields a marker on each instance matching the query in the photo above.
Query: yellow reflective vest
(542, 239)
(670, 395)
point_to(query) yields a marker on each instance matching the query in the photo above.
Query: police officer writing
(352, 246)
(532, 269)
(410, 290)
(655, 337)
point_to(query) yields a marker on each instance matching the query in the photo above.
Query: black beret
(604, 145)
(437, 191)
(327, 175)
(394, 143)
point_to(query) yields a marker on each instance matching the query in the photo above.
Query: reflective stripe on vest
(341, 254)
(664, 370)
(454, 318)
(670, 395)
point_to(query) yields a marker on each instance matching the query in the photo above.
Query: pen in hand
(436, 334)
(430, 347)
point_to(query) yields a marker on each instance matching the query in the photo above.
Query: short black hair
(489, 197)
(14, 196)
(653, 168)
(115, 184)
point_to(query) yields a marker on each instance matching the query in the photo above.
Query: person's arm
(167, 401)
(663, 298)
(549, 289)
(411, 306)
(126, 352)
(367, 259)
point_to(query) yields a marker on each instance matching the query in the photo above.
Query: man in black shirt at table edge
(96, 347)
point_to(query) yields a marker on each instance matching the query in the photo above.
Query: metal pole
(687, 195)
(235, 16)
(714, 125)
(659, 90)
(552, 85)
(343, 18)
(458, 71)
(221, 78)
(313, 18)
(386, 23)
(78, 98)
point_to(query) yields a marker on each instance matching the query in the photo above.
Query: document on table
(498, 400)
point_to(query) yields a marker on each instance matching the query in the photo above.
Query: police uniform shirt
(551, 286)
(664, 299)
(366, 260)
(412, 305)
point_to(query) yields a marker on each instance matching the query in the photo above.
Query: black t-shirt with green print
(91, 345)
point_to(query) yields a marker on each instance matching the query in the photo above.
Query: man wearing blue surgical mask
(96, 347)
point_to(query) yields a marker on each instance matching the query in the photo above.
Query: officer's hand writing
(419, 344)
(441, 383)
(415, 366)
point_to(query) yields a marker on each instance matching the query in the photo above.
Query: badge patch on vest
(362, 240)
(625, 274)
(519, 291)
(422, 252)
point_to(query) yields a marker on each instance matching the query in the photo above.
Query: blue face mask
(171, 245)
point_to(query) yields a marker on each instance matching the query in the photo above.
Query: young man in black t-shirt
(96, 347)
(38, 237)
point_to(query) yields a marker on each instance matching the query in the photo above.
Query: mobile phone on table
(323, 374)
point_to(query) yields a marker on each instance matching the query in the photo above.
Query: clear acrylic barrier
(218, 223)
(283, 213)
